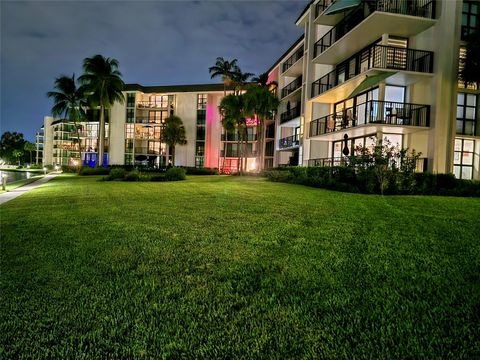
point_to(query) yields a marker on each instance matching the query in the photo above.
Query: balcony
(147, 151)
(292, 66)
(234, 154)
(83, 134)
(289, 142)
(236, 138)
(376, 57)
(290, 114)
(292, 87)
(367, 23)
(147, 121)
(152, 105)
(321, 18)
(385, 113)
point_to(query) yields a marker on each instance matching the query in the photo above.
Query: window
(466, 113)
(130, 115)
(463, 159)
(130, 99)
(470, 18)
(160, 101)
(129, 131)
(201, 101)
(157, 117)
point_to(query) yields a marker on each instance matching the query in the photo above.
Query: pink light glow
(251, 121)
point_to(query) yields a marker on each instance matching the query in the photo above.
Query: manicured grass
(229, 267)
(15, 184)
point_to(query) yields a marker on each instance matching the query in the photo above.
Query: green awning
(341, 5)
(369, 82)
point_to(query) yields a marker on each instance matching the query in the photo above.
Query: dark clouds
(156, 42)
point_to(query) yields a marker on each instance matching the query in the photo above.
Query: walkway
(9, 195)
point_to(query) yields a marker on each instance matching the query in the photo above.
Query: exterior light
(44, 170)
(56, 167)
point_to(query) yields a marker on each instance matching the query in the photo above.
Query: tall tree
(470, 69)
(17, 154)
(173, 133)
(103, 82)
(9, 142)
(28, 146)
(69, 101)
(225, 69)
(260, 103)
(233, 120)
(240, 79)
(262, 80)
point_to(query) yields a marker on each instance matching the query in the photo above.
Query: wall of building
(116, 152)
(48, 140)
(186, 109)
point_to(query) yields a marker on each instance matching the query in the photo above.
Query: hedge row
(366, 181)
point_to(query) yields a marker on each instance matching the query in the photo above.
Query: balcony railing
(289, 142)
(378, 57)
(146, 136)
(421, 165)
(83, 134)
(235, 137)
(234, 154)
(149, 121)
(297, 55)
(152, 104)
(373, 112)
(290, 114)
(421, 8)
(143, 150)
(321, 6)
(291, 87)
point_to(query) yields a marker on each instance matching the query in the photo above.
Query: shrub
(200, 171)
(132, 176)
(175, 174)
(116, 174)
(93, 171)
(159, 177)
(70, 169)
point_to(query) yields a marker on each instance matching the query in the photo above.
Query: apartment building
(133, 131)
(385, 70)
(363, 71)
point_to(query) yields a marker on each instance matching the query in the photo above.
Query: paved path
(9, 195)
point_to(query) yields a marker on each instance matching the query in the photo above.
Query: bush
(175, 174)
(70, 169)
(200, 171)
(116, 174)
(159, 177)
(93, 171)
(132, 176)
(367, 180)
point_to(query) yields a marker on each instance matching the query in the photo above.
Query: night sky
(156, 43)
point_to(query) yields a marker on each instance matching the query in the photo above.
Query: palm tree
(104, 84)
(225, 70)
(173, 133)
(69, 102)
(262, 80)
(231, 109)
(17, 154)
(261, 103)
(469, 72)
(240, 78)
(28, 146)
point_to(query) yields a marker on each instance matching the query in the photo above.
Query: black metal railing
(321, 6)
(235, 137)
(153, 104)
(291, 87)
(289, 141)
(235, 154)
(290, 114)
(149, 121)
(147, 151)
(373, 112)
(378, 57)
(297, 55)
(420, 8)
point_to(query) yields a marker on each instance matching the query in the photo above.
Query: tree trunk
(260, 143)
(173, 155)
(101, 137)
(30, 151)
(238, 152)
(224, 144)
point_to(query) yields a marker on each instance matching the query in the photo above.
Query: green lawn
(229, 267)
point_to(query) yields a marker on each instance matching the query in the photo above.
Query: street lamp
(4, 180)
(44, 170)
